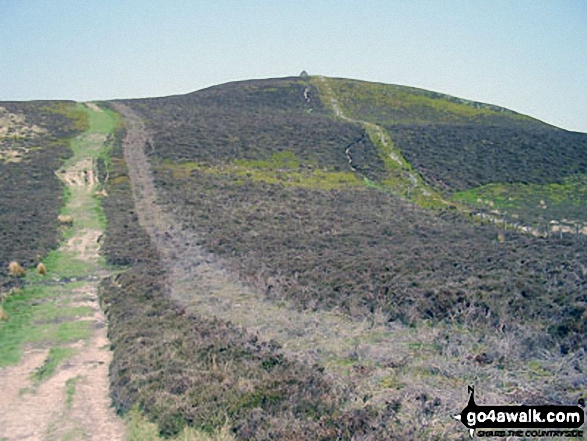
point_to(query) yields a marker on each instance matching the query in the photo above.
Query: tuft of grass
(3, 314)
(56, 356)
(65, 218)
(70, 386)
(42, 269)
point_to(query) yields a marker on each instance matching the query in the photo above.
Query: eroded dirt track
(73, 402)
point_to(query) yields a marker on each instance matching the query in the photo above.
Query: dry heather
(184, 369)
(65, 219)
(465, 303)
(15, 269)
(15, 125)
(42, 269)
(29, 189)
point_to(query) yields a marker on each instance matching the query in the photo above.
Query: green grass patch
(103, 122)
(52, 312)
(56, 356)
(66, 196)
(282, 168)
(66, 332)
(140, 428)
(62, 264)
(100, 217)
(563, 202)
(90, 144)
(70, 386)
(392, 382)
(20, 307)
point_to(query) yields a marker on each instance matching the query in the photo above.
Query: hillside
(289, 185)
(303, 257)
(274, 166)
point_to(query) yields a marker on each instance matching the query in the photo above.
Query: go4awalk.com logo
(508, 421)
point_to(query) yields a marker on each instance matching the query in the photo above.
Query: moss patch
(281, 168)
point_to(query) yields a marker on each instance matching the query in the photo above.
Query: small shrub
(42, 269)
(15, 269)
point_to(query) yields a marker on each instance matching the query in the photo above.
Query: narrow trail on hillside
(200, 282)
(406, 179)
(74, 401)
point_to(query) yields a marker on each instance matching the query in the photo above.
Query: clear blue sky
(527, 55)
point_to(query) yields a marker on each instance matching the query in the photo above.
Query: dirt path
(71, 403)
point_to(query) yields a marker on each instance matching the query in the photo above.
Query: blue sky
(530, 56)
